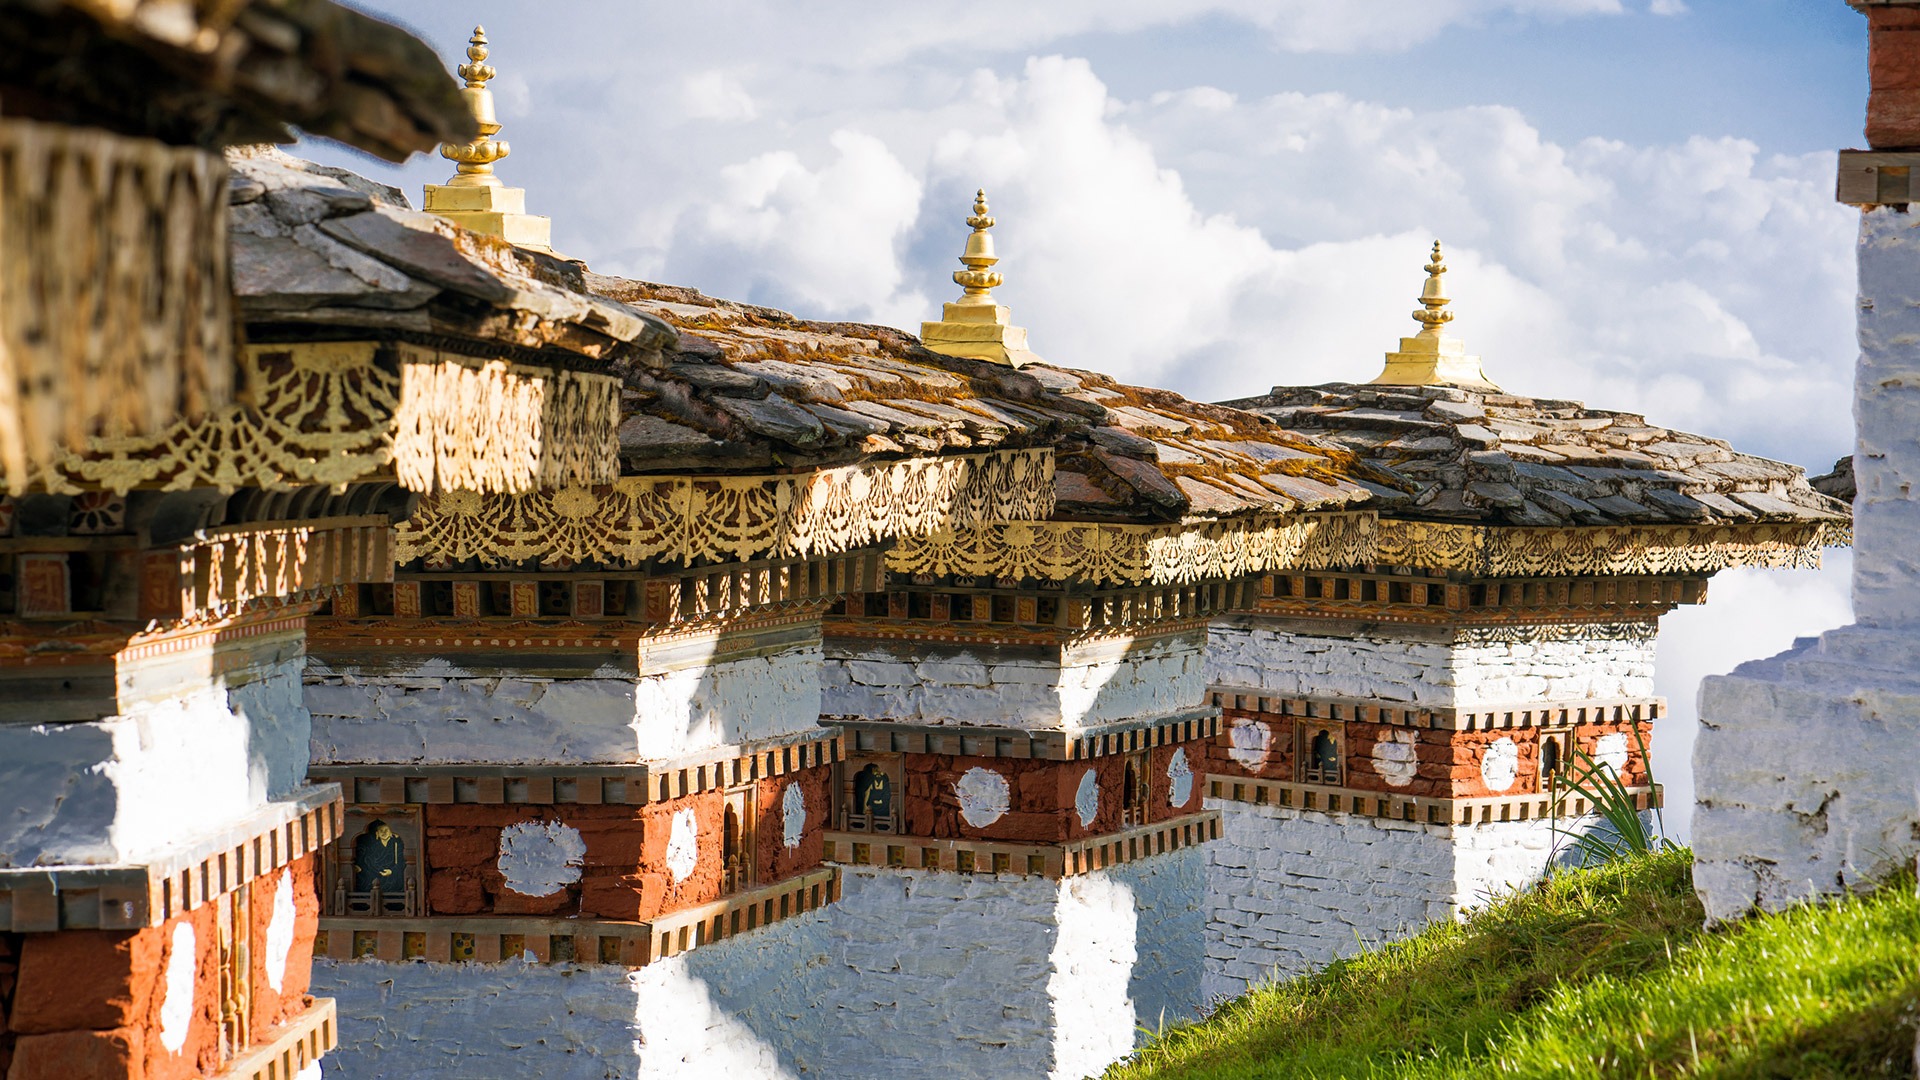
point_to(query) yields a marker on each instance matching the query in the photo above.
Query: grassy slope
(1599, 973)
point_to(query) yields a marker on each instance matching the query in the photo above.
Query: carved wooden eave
(1506, 551)
(93, 342)
(212, 73)
(339, 412)
(1171, 554)
(726, 519)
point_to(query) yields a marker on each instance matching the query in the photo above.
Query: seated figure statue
(379, 861)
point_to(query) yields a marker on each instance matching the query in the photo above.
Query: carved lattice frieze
(1139, 554)
(1632, 549)
(336, 412)
(732, 518)
(115, 299)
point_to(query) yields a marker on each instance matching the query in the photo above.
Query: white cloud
(716, 95)
(820, 239)
(1667, 7)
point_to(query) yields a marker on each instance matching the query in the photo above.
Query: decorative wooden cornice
(334, 412)
(1125, 737)
(1661, 550)
(1411, 599)
(504, 939)
(732, 519)
(1025, 616)
(1419, 809)
(1029, 860)
(1099, 553)
(593, 785)
(1526, 714)
(41, 899)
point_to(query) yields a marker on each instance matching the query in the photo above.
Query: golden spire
(977, 280)
(474, 198)
(475, 159)
(1433, 357)
(977, 325)
(1433, 297)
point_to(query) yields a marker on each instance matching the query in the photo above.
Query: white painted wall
(438, 713)
(127, 786)
(1289, 891)
(913, 974)
(1806, 778)
(1082, 686)
(1462, 670)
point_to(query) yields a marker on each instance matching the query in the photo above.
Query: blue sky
(1221, 195)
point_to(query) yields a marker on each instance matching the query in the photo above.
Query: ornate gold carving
(733, 518)
(115, 305)
(502, 428)
(1140, 554)
(1625, 549)
(233, 569)
(334, 412)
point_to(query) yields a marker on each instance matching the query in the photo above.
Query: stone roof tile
(1501, 458)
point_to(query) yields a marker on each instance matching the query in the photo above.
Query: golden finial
(475, 159)
(1433, 297)
(977, 279)
(1433, 357)
(477, 71)
(976, 325)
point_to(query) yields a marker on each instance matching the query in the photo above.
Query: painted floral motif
(1179, 778)
(1086, 799)
(1393, 758)
(1500, 765)
(539, 858)
(176, 1000)
(983, 796)
(683, 845)
(793, 816)
(1611, 751)
(1249, 742)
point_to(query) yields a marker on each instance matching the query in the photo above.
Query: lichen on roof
(1469, 456)
(746, 386)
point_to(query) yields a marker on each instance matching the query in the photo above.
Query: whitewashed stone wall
(1461, 669)
(1289, 891)
(913, 975)
(439, 713)
(1806, 776)
(1082, 686)
(126, 786)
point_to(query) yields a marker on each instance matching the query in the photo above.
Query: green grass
(1596, 973)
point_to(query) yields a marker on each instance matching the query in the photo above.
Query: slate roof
(321, 251)
(751, 387)
(215, 73)
(1467, 456)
